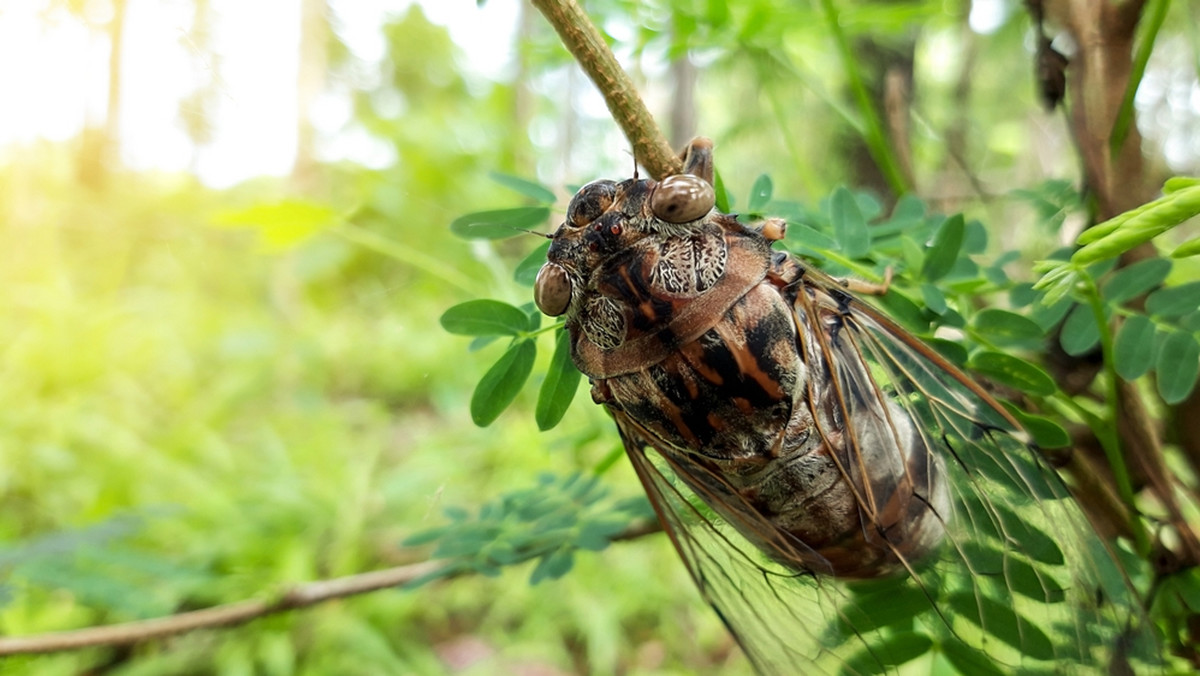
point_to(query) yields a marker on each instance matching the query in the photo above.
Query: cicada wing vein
(1020, 570)
(787, 621)
(1015, 579)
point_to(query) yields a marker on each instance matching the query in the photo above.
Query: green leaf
(535, 191)
(500, 385)
(1125, 231)
(1024, 579)
(1079, 333)
(968, 660)
(849, 226)
(1187, 249)
(281, 225)
(1177, 183)
(1190, 321)
(553, 566)
(724, 204)
(1048, 316)
(1006, 327)
(1057, 280)
(1173, 301)
(950, 349)
(535, 316)
(1134, 280)
(911, 253)
(1028, 539)
(527, 269)
(934, 299)
(1133, 349)
(975, 241)
(485, 318)
(887, 603)
(942, 252)
(558, 389)
(904, 311)
(499, 223)
(1017, 373)
(1021, 295)
(1187, 585)
(1046, 432)
(1002, 622)
(799, 232)
(760, 194)
(909, 212)
(892, 651)
(1177, 365)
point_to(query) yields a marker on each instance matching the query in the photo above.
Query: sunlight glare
(256, 43)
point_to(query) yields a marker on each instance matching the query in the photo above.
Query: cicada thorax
(692, 336)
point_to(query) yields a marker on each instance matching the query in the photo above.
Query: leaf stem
(873, 133)
(1158, 14)
(421, 261)
(1107, 434)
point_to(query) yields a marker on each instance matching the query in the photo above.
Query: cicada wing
(1021, 581)
(787, 621)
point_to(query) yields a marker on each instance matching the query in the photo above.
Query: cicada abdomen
(825, 445)
(689, 333)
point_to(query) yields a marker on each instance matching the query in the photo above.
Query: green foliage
(937, 283)
(1159, 336)
(548, 522)
(212, 395)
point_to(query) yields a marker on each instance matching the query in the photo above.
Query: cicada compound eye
(591, 202)
(682, 198)
(552, 290)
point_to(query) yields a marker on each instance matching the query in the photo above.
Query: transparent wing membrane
(1015, 580)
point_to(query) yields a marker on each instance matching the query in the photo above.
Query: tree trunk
(310, 81)
(100, 146)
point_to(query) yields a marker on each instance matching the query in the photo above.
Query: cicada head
(606, 219)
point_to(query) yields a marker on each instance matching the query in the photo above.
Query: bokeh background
(224, 249)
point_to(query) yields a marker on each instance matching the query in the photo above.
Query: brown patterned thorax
(689, 333)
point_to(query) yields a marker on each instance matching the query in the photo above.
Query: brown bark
(1096, 81)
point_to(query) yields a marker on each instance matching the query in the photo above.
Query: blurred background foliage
(210, 394)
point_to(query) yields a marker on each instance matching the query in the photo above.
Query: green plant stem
(805, 173)
(1107, 435)
(858, 269)
(423, 262)
(874, 135)
(585, 43)
(1158, 15)
(526, 335)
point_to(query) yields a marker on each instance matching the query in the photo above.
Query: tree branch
(300, 596)
(585, 43)
(241, 612)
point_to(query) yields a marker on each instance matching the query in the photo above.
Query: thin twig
(228, 615)
(585, 43)
(241, 612)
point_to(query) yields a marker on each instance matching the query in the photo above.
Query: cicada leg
(869, 288)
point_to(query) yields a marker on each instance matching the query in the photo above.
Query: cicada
(845, 498)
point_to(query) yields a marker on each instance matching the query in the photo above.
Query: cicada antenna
(535, 232)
